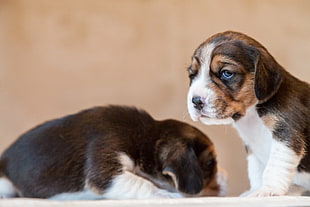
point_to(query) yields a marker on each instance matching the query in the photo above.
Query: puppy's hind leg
(128, 186)
(131, 186)
(7, 189)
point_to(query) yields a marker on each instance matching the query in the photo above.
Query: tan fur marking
(212, 189)
(219, 60)
(195, 66)
(207, 151)
(92, 188)
(270, 120)
(246, 94)
(225, 105)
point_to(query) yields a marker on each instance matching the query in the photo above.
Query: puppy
(235, 80)
(110, 152)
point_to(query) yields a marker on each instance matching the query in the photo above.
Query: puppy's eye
(226, 75)
(194, 68)
(210, 163)
(192, 73)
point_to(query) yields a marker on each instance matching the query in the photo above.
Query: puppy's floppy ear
(182, 165)
(268, 76)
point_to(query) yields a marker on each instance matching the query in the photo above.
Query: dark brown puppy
(235, 80)
(110, 152)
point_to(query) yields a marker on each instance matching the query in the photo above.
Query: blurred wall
(58, 57)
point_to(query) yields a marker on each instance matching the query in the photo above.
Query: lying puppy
(110, 152)
(235, 80)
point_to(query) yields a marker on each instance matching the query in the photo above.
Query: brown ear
(183, 167)
(268, 76)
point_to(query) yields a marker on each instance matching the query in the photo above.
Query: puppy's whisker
(186, 117)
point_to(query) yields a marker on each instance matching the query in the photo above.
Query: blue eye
(226, 75)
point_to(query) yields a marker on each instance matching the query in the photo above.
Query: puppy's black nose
(198, 102)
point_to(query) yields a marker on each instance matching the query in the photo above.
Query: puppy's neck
(249, 118)
(253, 131)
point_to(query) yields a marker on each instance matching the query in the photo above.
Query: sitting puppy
(110, 152)
(235, 80)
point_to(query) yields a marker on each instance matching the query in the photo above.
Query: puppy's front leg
(255, 173)
(279, 171)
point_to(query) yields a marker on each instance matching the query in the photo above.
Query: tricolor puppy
(235, 80)
(110, 152)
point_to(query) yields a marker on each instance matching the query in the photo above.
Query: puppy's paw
(166, 194)
(7, 190)
(5, 197)
(246, 193)
(222, 179)
(217, 186)
(266, 192)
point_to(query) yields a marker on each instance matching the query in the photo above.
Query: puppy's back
(50, 158)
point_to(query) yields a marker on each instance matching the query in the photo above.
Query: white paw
(3, 197)
(222, 180)
(265, 192)
(167, 194)
(7, 190)
(246, 193)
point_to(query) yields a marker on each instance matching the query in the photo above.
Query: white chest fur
(255, 134)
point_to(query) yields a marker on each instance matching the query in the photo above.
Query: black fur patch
(294, 120)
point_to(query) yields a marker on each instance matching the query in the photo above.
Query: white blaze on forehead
(199, 83)
(205, 56)
(203, 76)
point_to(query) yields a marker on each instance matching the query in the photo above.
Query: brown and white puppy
(110, 152)
(235, 80)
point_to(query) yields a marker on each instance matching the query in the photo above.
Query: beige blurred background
(58, 57)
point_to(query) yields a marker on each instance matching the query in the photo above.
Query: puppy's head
(230, 72)
(188, 157)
